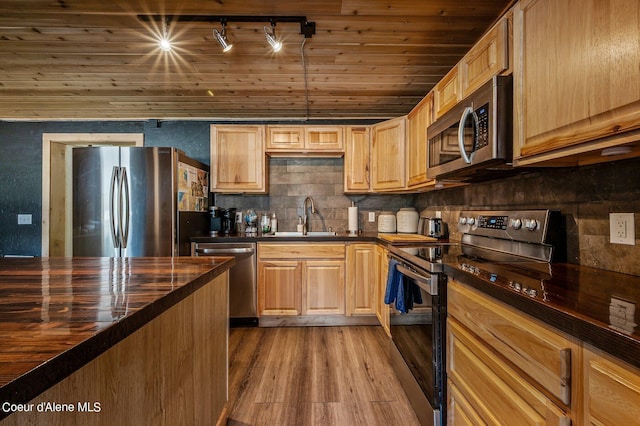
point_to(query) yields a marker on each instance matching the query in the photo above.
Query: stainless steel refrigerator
(135, 201)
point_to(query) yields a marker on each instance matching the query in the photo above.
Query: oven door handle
(428, 284)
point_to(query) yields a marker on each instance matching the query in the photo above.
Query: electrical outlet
(24, 219)
(622, 228)
(438, 214)
(372, 216)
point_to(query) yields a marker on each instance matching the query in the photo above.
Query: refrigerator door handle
(115, 177)
(124, 199)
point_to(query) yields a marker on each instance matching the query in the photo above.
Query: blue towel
(404, 292)
(393, 282)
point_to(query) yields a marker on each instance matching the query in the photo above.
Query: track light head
(221, 36)
(273, 41)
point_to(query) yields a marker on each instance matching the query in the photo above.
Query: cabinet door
(447, 93)
(540, 352)
(323, 138)
(497, 393)
(576, 85)
(279, 288)
(290, 138)
(488, 57)
(361, 279)
(382, 309)
(417, 122)
(388, 155)
(356, 159)
(238, 162)
(323, 287)
(611, 390)
(460, 412)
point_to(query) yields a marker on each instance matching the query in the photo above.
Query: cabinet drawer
(300, 251)
(497, 393)
(539, 351)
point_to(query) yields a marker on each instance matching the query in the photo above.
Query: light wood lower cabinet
(487, 388)
(382, 266)
(505, 365)
(612, 390)
(301, 279)
(361, 279)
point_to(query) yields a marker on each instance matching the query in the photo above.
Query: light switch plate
(622, 228)
(372, 216)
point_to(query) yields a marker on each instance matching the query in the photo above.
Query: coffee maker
(228, 222)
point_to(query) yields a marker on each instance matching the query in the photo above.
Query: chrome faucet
(305, 223)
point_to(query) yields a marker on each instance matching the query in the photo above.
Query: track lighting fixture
(275, 44)
(221, 36)
(307, 29)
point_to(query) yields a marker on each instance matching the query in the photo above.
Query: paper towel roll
(353, 220)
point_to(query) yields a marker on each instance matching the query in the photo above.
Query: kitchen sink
(309, 234)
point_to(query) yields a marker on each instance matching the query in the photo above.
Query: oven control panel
(522, 225)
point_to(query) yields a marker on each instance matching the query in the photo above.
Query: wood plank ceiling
(94, 59)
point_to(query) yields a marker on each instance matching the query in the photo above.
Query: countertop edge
(597, 335)
(31, 384)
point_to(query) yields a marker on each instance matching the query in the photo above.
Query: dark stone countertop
(362, 237)
(57, 314)
(595, 306)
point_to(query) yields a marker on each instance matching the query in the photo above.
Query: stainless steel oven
(474, 138)
(417, 330)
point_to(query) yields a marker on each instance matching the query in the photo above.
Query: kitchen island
(113, 340)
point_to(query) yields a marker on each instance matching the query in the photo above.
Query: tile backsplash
(291, 180)
(584, 195)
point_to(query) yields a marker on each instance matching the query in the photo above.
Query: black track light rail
(308, 29)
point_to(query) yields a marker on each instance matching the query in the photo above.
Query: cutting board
(406, 238)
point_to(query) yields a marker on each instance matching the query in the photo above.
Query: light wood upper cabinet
(238, 161)
(388, 155)
(488, 57)
(302, 140)
(285, 138)
(612, 390)
(356, 159)
(417, 122)
(361, 279)
(576, 85)
(447, 92)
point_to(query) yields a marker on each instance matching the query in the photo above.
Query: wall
(291, 180)
(584, 195)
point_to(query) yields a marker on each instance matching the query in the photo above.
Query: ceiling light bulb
(271, 38)
(165, 44)
(222, 39)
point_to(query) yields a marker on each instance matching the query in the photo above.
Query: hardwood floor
(314, 376)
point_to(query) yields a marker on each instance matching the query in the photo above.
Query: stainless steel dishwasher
(242, 279)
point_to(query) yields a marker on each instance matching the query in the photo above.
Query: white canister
(407, 221)
(387, 222)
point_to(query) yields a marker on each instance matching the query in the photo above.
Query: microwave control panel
(482, 138)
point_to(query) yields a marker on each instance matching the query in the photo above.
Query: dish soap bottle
(299, 227)
(274, 223)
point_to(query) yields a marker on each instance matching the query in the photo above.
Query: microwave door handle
(468, 111)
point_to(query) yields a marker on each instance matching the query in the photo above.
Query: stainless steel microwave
(474, 139)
